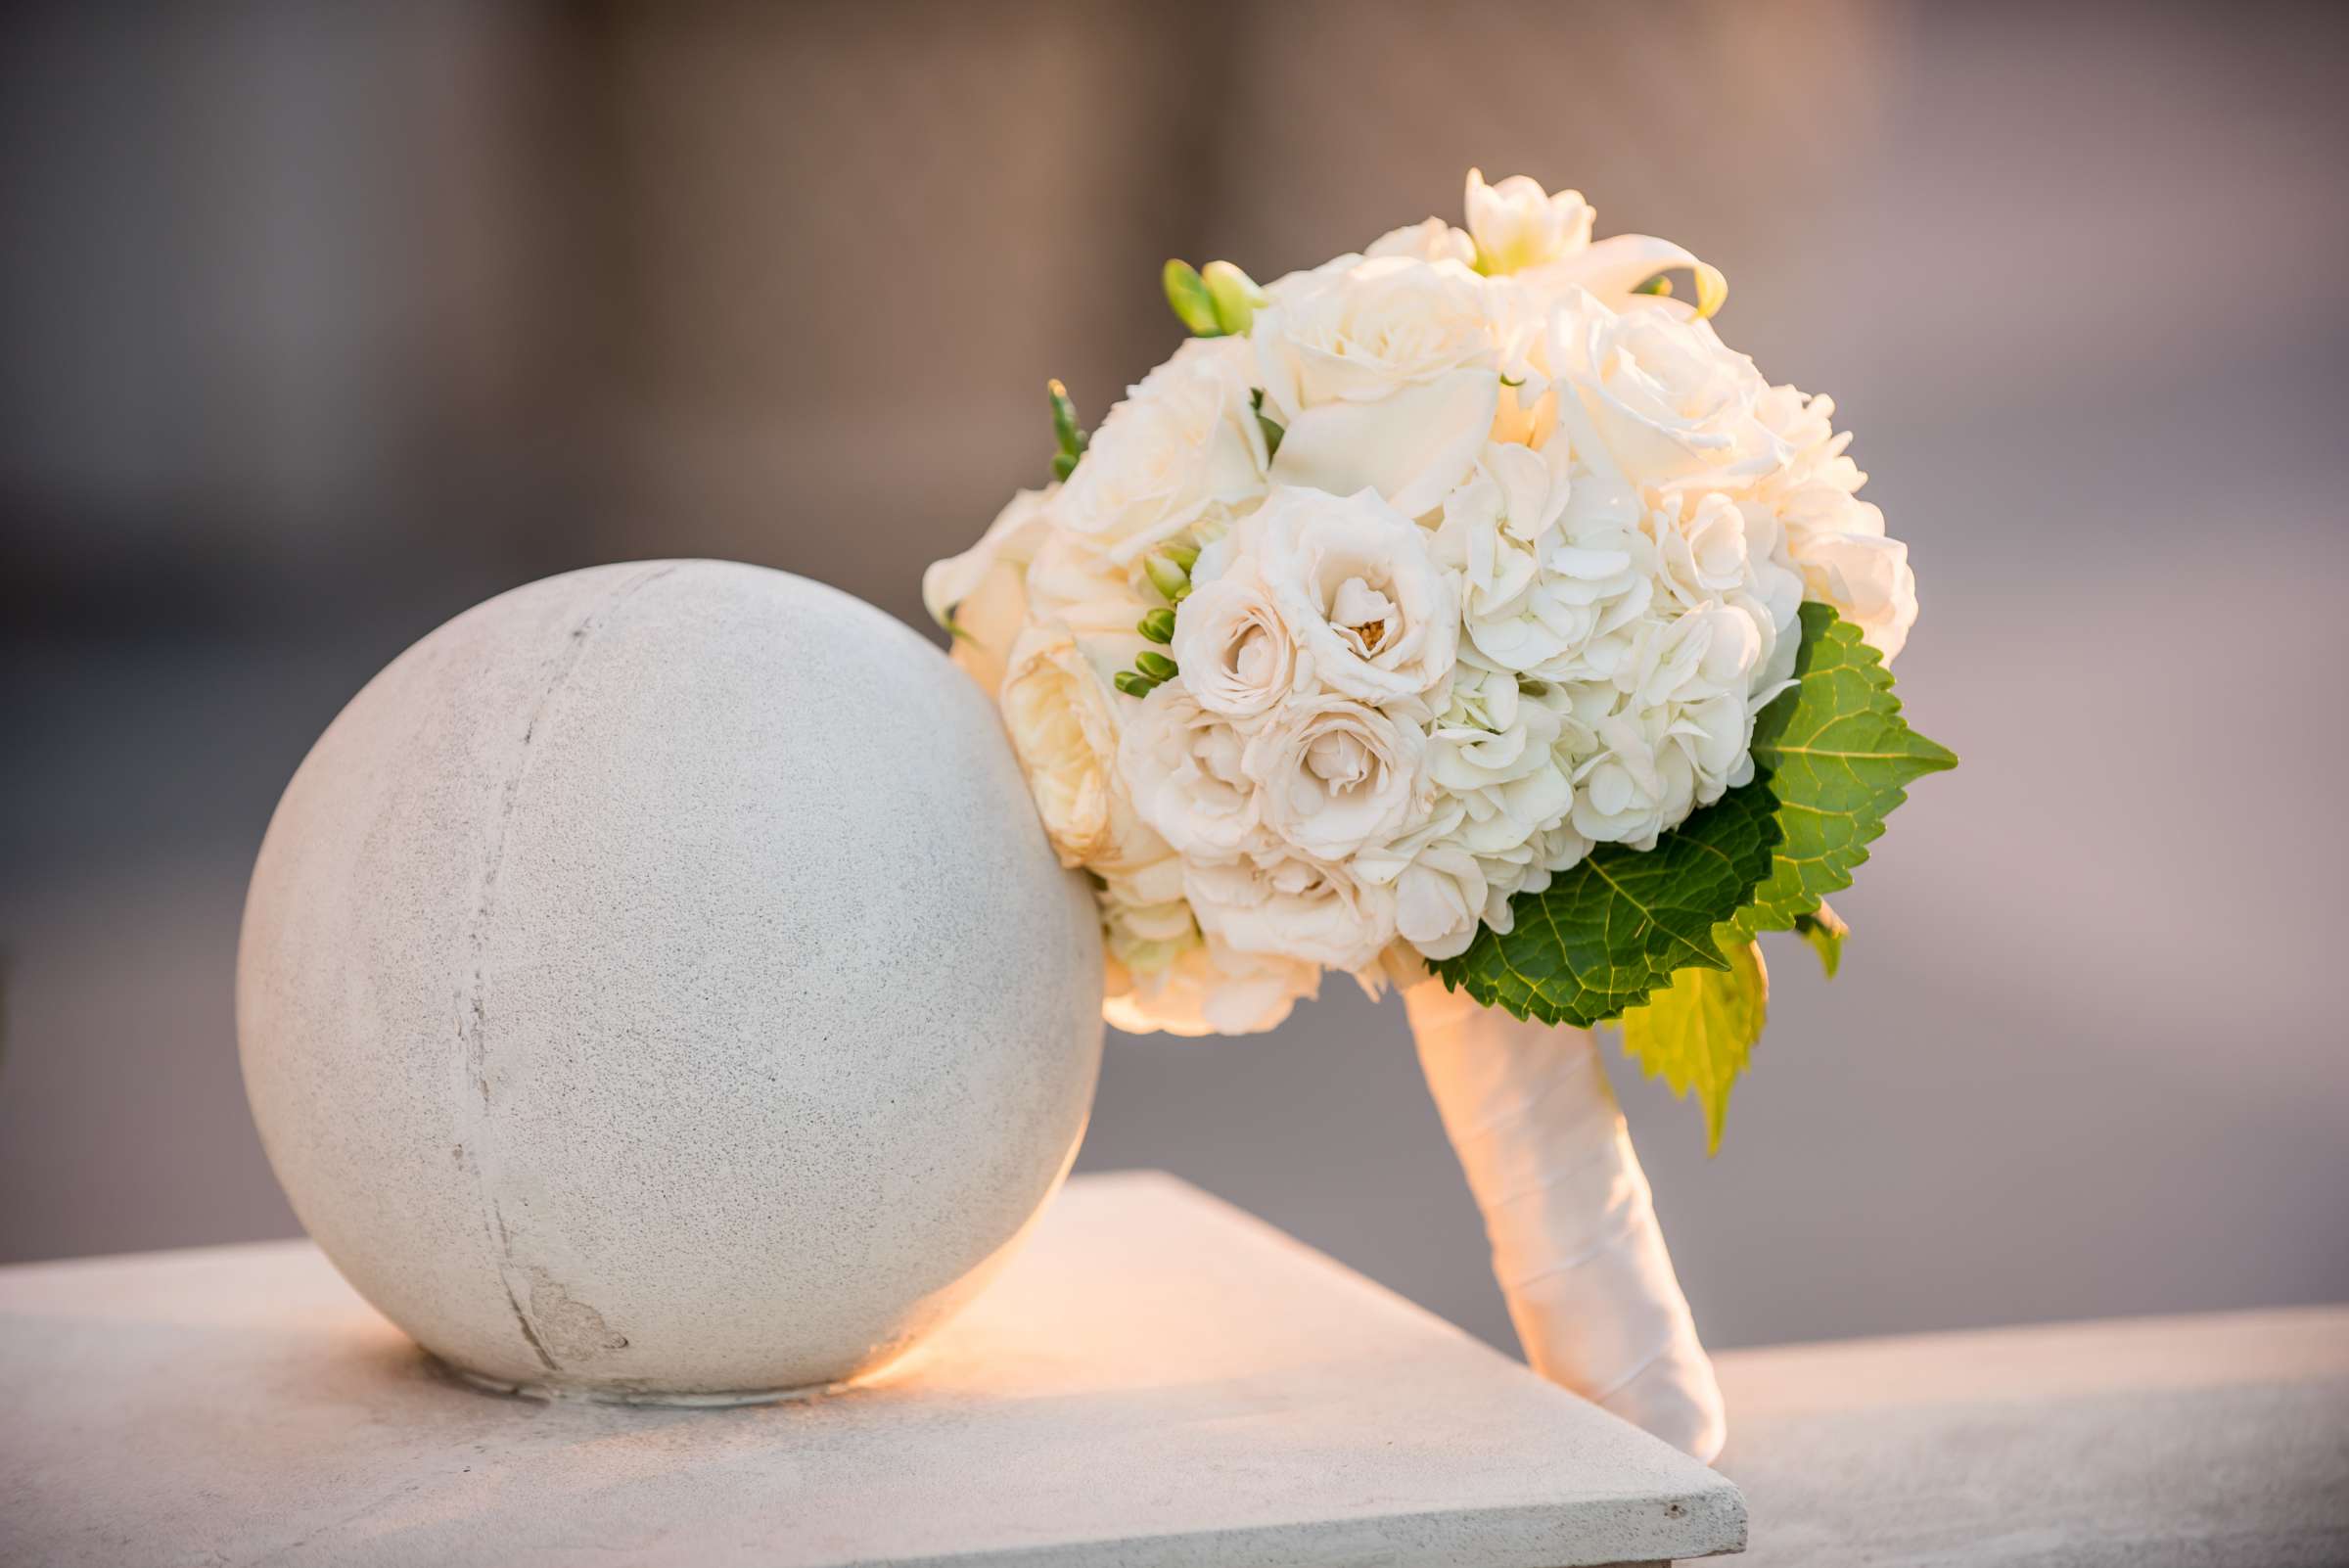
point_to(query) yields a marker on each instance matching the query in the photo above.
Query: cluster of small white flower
(1436, 566)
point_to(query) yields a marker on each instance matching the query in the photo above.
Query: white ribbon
(1572, 1225)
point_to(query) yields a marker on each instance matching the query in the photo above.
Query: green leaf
(1699, 1031)
(1832, 756)
(1824, 930)
(1838, 757)
(1187, 293)
(1615, 926)
(1272, 432)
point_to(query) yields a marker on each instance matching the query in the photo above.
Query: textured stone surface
(2194, 1441)
(1155, 1380)
(656, 982)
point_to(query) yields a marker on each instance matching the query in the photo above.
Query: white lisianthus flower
(1183, 764)
(1238, 654)
(1667, 402)
(980, 597)
(1429, 240)
(1292, 906)
(1062, 720)
(1516, 224)
(1335, 775)
(1185, 442)
(1372, 615)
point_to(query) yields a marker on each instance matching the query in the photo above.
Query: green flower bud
(1157, 625)
(1234, 295)
(1155, 664)
(1133, 685)
(1187, 293)
(1185, 556)
(1165, 577)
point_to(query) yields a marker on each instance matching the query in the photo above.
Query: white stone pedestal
(1155, 1379)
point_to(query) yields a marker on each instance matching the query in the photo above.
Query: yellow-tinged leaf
(1699, 1031)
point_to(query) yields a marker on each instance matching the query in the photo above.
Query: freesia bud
(1516, 224)
(1165, 577)
(1234, 295)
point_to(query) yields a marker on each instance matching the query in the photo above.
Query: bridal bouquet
(1465, 608)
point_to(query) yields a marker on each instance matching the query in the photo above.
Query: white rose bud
(1182, 766)
(1237, 656)
(1336, 775)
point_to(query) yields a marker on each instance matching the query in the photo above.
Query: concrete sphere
(656, 986)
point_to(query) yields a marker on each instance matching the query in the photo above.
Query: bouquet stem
(1572, 1225)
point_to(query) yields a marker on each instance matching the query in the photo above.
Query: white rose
(1207, 987)
(1185, 442)
(1289, 907)
(1358, 333)
(1516, 224)
(1238, 654)
(1061, 718)
(1430, 240)
(1382, 376)
(1372, 615)
(1181, 766)
(1409, 447)
(1335, 775)
(979, 596)
(1665, 398)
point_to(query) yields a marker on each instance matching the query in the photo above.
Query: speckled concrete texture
(1157, 1381)
(656, 982)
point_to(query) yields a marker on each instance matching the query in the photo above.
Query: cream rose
(1061, 718)
(1335, 775)
(1372, 615)
(979, 596)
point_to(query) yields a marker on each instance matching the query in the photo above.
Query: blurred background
(319, 324)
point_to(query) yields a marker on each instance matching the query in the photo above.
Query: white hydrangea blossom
(1510, 575)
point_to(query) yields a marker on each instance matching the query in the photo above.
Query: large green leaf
(1699, 1033)
(1838, 757)
(1615, 926)
(1832, 756)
